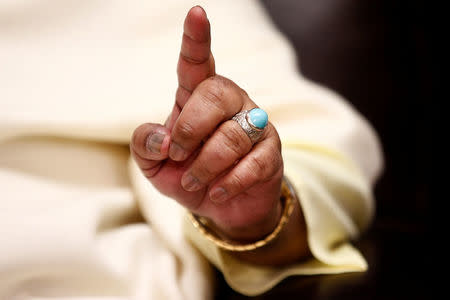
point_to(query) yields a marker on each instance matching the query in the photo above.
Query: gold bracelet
(288, 198)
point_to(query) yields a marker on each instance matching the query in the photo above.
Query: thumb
(149, 147)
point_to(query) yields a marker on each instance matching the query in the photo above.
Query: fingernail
(218, 195)
(176, 152)
(154, 142)
(190, 183)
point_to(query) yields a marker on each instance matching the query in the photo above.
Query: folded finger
(224, 148)
(217, 99)
(259, 165)
(228, 144)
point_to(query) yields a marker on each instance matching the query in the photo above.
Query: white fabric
(76, 78)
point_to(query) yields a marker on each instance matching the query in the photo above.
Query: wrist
(285, 244)
(251, 232)
(233, 240)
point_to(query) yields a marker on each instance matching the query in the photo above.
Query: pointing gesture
(216, 155)
(196, 62)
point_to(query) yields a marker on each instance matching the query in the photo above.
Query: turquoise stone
(258, 117)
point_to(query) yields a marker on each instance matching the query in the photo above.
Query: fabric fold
(327, 183)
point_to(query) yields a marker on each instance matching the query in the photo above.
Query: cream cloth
(76, 78)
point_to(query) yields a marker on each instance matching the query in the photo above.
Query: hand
(204, 160)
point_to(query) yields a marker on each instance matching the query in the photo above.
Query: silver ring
(253, 122)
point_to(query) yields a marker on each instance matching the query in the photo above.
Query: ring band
(253, 122)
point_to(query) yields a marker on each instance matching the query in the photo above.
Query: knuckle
(184, 130)
(272, 137)
(276, 163)
(276, 137)
(236, 183)
(234, 140)
(273, 162)
(216, 91)
(213, 90)
(243, 92)
(219, 81)
(204, 173)
(257, 165)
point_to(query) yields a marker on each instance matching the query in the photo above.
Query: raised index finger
(196, 62)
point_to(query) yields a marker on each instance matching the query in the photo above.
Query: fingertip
(199, 11)
(156, 139)
(176, 152)
(196, 24)
(165, 145)
(190, 183)
(218, 195)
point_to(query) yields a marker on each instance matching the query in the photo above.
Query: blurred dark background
(377, 55)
